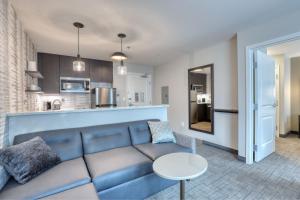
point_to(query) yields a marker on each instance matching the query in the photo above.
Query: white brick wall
(15, 49)
(3, 68)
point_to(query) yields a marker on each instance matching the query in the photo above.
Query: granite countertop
(84, 110)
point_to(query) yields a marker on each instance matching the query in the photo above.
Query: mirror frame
(212, 98)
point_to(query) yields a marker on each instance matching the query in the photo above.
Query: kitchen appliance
(56, 104)
(193, 107)
(103, 97)
(198, 88)
(74, 85)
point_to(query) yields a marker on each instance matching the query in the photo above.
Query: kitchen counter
(84, 110)
(29, 122)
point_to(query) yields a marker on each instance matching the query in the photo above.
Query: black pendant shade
(119, 55)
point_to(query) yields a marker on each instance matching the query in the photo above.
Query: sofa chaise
(107, 162)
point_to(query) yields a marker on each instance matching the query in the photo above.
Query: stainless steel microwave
(74, 85)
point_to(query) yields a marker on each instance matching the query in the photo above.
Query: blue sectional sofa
(108, 162)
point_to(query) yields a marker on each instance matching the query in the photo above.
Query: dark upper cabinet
(101, 71)
(48, 65)
(54, 66)
(66, 68)
(199, 79)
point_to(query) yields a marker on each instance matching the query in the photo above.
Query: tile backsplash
(69, 101)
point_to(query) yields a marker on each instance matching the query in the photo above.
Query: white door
(265, 103)
(138, 89)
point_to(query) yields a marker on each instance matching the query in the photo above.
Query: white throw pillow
(161, 132)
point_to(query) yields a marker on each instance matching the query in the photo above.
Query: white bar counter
(29, 122)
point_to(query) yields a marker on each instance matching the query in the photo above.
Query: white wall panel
(175, 75)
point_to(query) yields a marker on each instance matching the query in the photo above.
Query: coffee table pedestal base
(182, 189)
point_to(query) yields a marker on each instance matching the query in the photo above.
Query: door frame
(278, 90)
(250, 88)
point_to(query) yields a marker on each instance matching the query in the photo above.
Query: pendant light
(119, 55)
(122, 69)
(78, 64)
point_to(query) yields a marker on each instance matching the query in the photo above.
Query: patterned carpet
(276, 177)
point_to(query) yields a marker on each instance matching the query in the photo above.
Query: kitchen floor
(206, 126)
(275, 177)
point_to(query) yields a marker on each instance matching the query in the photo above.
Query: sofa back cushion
(66, 143)
(140, 132)
(105, 137)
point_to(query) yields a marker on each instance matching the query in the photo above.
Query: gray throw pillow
(28, 159)
(161, 132)
(4, 177)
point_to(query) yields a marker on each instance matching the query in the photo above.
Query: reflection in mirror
(201, 98)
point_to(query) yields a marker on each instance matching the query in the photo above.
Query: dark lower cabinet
(66, 68)
(48, 65)
(204, 112)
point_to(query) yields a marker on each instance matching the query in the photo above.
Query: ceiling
(290, 49)
(158, 31)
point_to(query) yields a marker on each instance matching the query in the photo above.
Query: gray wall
(15, 49)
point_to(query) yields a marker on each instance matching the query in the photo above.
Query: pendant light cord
(121, 45)
(78, 55)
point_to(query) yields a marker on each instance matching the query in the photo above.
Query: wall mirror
(201, 98)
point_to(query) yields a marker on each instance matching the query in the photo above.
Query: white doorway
(263, 125)
(265, 105)
(139, 89)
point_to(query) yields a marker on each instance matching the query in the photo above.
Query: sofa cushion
(154, 151)
(140, 132)
(29, 159)
(86, 192)
(66, 143)
(116, 166)
(105, 137)
(64, 176)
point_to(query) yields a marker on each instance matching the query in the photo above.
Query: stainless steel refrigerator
(193, 107)
(103, 97)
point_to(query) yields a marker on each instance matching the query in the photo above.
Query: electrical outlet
(182, 124)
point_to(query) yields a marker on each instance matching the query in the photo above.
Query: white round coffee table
(180, 166)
